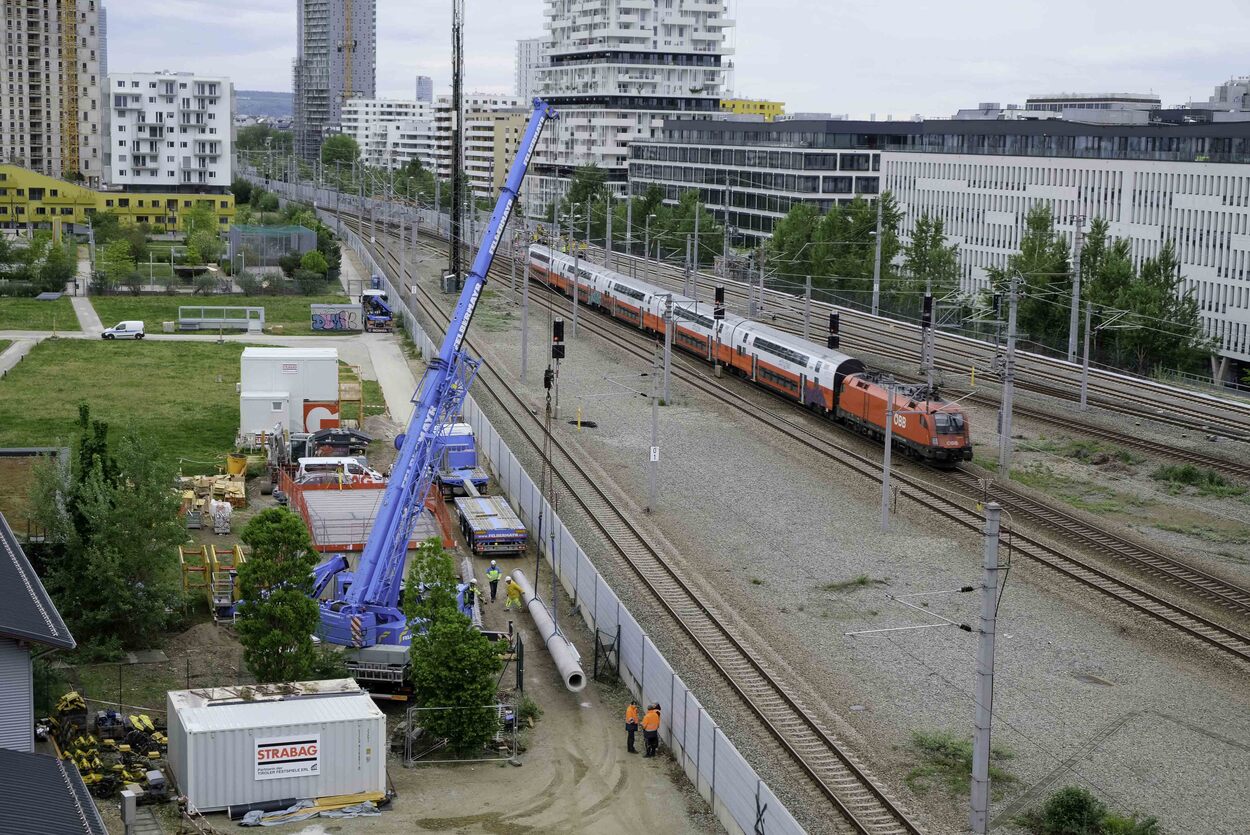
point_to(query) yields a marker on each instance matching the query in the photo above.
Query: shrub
(313, 261)
(309, 283)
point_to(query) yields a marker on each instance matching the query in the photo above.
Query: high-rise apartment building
(425, 89)
(52, 52)
(491, 139)
(371, 121)
(335, 61)
(170, 131)
(615, 70)
(531, 54)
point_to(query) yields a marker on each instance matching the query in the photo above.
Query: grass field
(169, 390)
(290, 312)
(4, 345)
(31, 315)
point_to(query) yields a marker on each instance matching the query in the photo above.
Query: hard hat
(473, 582)
(508, 578)
(492, 562)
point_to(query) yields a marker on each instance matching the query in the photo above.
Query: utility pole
(876, 264)
(1085, 361)
(646, 242)
(1074, 318)
(668, 342)
(695, 252)
(512, 273)
(1009, 379)
(654, 461)
(926, 333)
(577, 270)
(885, 458)
(607, 237)
(629, 232)
(685, 282)
(525, 320)
(979, 817)
(807, 306)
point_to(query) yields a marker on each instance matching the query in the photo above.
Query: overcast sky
(842, 56)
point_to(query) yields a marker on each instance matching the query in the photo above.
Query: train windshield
(949, 423)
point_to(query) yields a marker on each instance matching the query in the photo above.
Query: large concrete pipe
(562, 651)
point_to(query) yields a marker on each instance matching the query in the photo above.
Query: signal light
(926, 318)
(718, 309)
(557, 339)
(834, 339)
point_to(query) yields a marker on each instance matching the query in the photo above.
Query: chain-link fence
(424, 745)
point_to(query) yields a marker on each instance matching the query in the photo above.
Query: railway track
(864, 803)
(1204, 586)
(897, 340)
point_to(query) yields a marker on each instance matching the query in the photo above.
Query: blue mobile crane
(363, 609)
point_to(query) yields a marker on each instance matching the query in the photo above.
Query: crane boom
(367, 612)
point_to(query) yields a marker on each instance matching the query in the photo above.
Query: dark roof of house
(42, 794)
(26, 611)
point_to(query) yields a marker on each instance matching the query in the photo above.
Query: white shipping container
(306, 375)
(234, 745)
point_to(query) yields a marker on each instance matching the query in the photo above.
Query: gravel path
(765, 529)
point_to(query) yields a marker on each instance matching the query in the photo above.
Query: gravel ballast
(766, 530)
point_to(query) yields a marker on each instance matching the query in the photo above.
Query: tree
(1042, 264)
(313, 261)
(929, 259)
(112, 525)
(262, 138)
(242, 190)
(60, 263)
(289, 263)
(200, 218)
(339, 148)
(115, 262)
(453, 665)
(203, 247)
(278, 615)
(309, 282)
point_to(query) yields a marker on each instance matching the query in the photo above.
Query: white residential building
(53, 118)
(531, 54)
(370, 121)
(170, 130)
(491, 140)
(615, 70)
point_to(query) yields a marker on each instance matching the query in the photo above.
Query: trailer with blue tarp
(490, 526)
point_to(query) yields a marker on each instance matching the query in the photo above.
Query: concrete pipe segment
(561, 648)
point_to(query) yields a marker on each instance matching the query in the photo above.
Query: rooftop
(271, 705)
(26, 611)
(43, 794)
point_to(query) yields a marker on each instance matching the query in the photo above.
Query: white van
(331, 469)
(129, 329)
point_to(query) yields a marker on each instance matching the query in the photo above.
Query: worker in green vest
(493, 574)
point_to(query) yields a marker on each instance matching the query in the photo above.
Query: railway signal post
(1074, 317)
(979, 817)
(654, 460)
(876, 263)
(807, 308)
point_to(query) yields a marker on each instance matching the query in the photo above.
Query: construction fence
(742, 801)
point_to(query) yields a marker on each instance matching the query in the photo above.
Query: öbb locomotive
(829, 382)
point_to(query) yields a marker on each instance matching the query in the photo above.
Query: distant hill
(262, 103)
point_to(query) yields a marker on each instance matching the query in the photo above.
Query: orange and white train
(822, 379)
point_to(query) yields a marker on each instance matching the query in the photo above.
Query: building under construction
(335, 61)
(52, 119)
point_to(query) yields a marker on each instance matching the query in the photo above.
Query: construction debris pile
(211, 499)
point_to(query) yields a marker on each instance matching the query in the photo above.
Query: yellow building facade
(770, 110)
(27, 197)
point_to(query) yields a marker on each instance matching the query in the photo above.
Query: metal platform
(340, 520)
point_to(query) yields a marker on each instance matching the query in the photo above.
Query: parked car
(129, 329)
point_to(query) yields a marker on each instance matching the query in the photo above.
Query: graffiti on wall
(336, 317)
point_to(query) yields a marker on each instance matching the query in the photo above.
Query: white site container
(230, 746)
(260, 410)
(308, 376)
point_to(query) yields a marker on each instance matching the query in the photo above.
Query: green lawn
(169, 390)
(290, 312)
(4, 345)
(31, 315)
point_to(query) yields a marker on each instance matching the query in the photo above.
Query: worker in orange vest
(631, 725)
(651, 730)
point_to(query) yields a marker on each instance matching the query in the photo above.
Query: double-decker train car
(822, 379)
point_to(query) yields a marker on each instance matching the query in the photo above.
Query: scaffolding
(351, 392)
(224, 562)
(69, 88)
